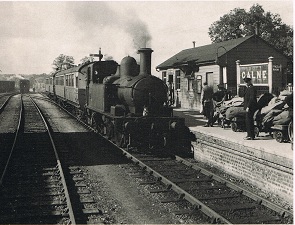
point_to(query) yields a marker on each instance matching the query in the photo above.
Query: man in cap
(250, 105)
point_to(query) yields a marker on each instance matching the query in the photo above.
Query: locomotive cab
(100, 96)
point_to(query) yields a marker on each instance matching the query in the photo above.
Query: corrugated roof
(202, 54)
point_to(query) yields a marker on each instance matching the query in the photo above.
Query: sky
(33, 34)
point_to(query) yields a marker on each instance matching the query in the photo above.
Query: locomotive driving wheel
(92, 121)
(79, 113)
(109, 126)
(120, 139)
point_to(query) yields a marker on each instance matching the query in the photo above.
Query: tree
(239, 23)
(91, 58)
(87, 59)
(63, 62)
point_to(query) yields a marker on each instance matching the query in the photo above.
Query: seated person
(220, 94)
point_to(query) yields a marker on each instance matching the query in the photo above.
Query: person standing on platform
(207, 102)
(250, 105)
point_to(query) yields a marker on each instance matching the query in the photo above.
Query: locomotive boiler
(123, 102)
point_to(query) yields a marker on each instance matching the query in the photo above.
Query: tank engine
(24, 86)
(124, 102)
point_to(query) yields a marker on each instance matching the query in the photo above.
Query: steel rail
(5, 103)
(245, 192)
(14, 142)
(68, 199)
(194, 201)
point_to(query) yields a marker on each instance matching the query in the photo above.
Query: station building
(263, 163)
(225, 63)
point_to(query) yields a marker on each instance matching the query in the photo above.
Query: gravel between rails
(118, 195)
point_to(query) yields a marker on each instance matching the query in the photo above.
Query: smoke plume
(119, 34)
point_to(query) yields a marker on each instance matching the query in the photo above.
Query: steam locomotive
(24, 86)
(124, 102)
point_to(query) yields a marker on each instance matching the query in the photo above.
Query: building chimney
(194, 44)
(145, 61)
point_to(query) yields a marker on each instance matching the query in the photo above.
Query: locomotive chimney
(145, 60)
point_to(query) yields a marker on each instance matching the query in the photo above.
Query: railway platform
(263, 162)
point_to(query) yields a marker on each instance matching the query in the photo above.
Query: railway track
(180, 181)
(36, 186)
(221, 200)
(4, 98)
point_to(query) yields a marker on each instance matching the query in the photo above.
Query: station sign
(257, 72)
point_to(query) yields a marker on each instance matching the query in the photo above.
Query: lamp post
(222, 72)
(225, 54)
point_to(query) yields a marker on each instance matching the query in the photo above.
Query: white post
(270, 63)
(238, 75)
(225, 76)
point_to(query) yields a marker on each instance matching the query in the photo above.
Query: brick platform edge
(268, 172)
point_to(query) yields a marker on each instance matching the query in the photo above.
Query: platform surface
(195, 121)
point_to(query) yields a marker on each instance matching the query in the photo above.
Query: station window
(190, 84)
(177, 79)
(164, 76)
